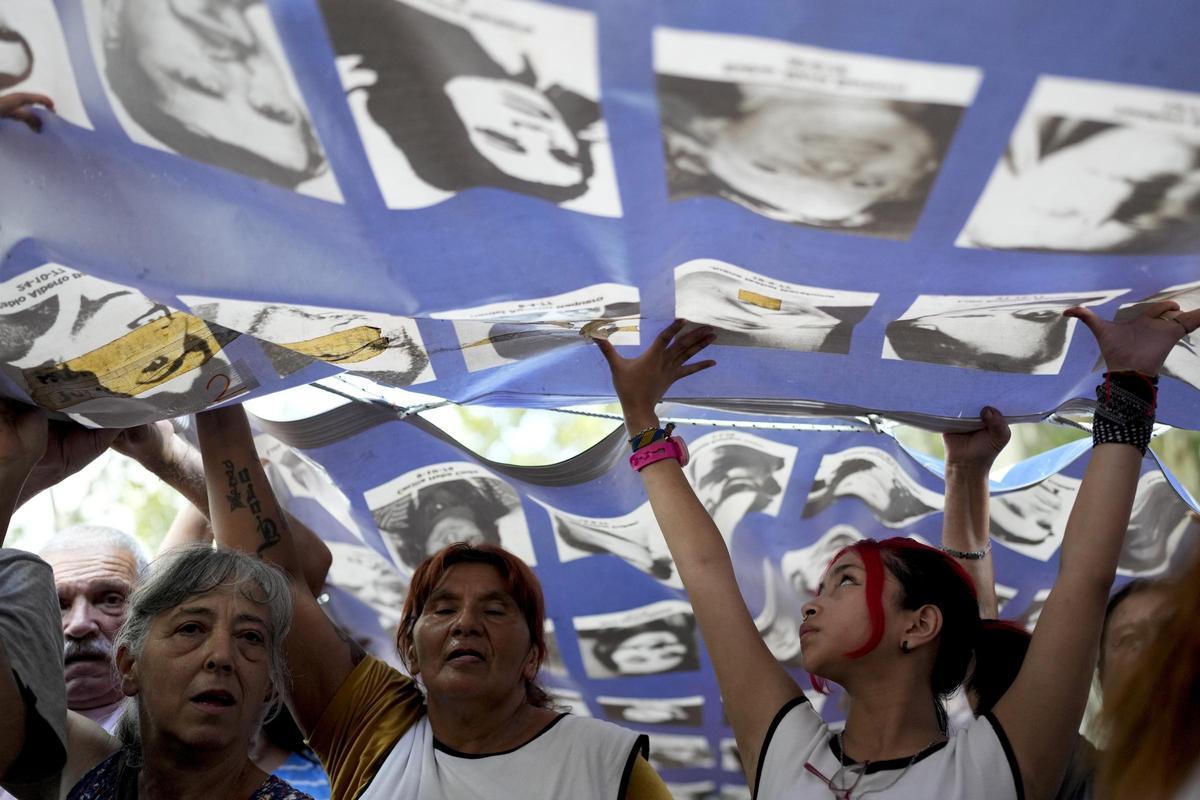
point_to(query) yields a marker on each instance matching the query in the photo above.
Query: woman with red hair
(895, 623)
(470, 721)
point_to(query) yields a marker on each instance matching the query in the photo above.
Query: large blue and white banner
(881, 208)
(385, 493)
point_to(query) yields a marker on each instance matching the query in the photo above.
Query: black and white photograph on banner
(106, 353)
(430, 507)
(1025, 334)
(779, 620)
(476, 93)
(511, 331)
(685, 711)
(553, 662)
(829, 139)
(34, 57)
(296, 477)
(679, 751)
(1003, 595)
(569, 700)
(1183, 362)
(649, 640)
(1032, 521)
(381, 347)
(752, 310)
(210, 82)
(634, 537)
(368, 576)
(1095, 167)
(876, 478)
(1160, 521)
(734, 792)
(803, 569)
(736, 473)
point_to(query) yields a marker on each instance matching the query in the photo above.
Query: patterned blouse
(111, 779)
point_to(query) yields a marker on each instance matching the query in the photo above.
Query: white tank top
(573, 757)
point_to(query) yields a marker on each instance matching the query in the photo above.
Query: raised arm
(969, 459)
(168, 457)
(246, 516)
(1040, 713)
(753, 684)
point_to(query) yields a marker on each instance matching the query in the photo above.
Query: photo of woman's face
(649, 652)
(517, 129)
(822, 160)
(728, 304)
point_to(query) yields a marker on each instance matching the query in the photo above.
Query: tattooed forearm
(242, 495)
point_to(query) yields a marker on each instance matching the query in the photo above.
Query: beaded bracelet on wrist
(1125, 406)
(969, 555)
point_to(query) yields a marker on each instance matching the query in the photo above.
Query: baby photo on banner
(1096, 167)
(107, 354)
(829, 139)
(33, 57)
(210, 82)
(423, 510)
(507, 332)
(381, 347)
(649, 640)
(1025, 334)
(477, 93)
(752, 310)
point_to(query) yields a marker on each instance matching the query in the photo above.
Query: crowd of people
(213, 671)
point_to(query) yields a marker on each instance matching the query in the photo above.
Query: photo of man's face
(197, 76)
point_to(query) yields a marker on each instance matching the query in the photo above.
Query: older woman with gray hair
(200, 655)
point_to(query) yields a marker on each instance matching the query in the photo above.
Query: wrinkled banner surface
(881, 208)
(386, 492)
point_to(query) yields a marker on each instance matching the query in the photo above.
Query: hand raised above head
(1142, 343)
(641, 382)
(22, 438)
(979, 448)
(18, 106)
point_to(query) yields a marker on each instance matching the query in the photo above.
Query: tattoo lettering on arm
(234, 496)
(241, 495)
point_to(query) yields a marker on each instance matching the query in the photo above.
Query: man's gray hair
(86, 537)
(193, 570)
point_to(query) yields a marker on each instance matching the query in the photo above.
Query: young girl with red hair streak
(895, 622)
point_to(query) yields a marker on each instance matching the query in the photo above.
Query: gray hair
(81, 537)
(192, 570)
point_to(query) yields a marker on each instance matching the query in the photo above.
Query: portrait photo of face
(752, 310)
(1159, 522)
(685, 711)
(651, 640)
(369, 577)
(634, 538)
(34, 58)
(779, 621)
(875, 478)
(106, 353)
(793, 145)
(1025, 334)
(1083, 174)
(1032, 521)
(803, 569)
(380, 347)
(208, 80)
(423, 511)
(1183, 362)
(508, 332)
(673, 751)
(501, 94)
(736, 473)
(553, 664)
